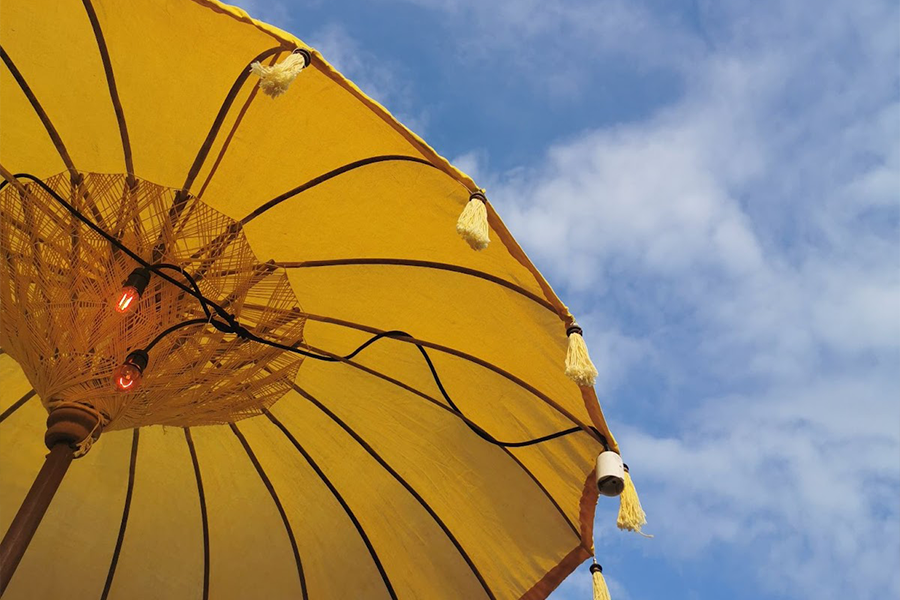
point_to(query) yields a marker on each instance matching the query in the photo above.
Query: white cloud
(563, 40)
(762, 210)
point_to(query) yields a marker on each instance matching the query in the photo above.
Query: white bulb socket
(610, 474)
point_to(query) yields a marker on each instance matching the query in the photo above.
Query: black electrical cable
(174, 327)
(231, 325)
(203, 301)
(112, 240)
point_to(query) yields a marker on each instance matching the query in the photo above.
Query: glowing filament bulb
(132, 289)
(128, 299)
(127, 377)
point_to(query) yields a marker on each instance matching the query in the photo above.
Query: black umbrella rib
(41, 113)
(204, 518)
(111, 83)
(16, 405)
(341, 501)
(182, 197)
(426, 264)
(592, 431)
(462, 417)
(220, 116)
(331, 175)
(125, 512)
(284, 518)
(403, 336)
(227, 143)
(368, 448)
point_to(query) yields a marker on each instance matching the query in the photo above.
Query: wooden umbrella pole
(26, 521)
(67, 426)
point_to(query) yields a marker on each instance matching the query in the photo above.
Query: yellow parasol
(237, 285)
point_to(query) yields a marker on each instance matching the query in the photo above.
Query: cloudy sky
(714, 188)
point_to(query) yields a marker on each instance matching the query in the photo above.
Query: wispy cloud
(563, 40)
(742, 242)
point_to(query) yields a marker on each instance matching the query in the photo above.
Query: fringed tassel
(275, 80)
(472, 225)
(631, 515)
(579, 367)
(601, 592)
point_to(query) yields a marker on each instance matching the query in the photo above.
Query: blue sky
(713, 187)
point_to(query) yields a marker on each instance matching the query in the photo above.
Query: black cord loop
(229, 322)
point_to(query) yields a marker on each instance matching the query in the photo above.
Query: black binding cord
(230, 324)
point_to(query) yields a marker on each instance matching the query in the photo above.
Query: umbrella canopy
(426, 464)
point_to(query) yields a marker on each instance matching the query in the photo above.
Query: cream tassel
(579, 367)
(601, 592)
(631, 516)
(472, 225)
(275, 80)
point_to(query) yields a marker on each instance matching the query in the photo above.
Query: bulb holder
(138, 279)
(610, 474)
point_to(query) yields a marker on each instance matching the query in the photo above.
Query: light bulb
(128, 299)
(132, 289)
(127, 377)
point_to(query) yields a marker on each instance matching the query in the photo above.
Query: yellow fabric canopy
(361, 481)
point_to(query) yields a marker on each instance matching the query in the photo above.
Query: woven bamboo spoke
(59, 281)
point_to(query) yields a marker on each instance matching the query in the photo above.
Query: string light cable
(129, 374)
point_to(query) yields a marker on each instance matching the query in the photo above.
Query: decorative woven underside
(59, 281)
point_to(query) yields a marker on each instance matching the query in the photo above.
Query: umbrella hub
(75, 425)
(60, 282)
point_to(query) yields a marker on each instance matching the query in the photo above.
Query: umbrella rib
(16, 405)
(268, 483)
(182, 197)
(368, 448)
(468, 357)
(41, 113)
(203, 516)
(223, 112)
(330, 175)
(340, 499)
(111, 82)
(427, 264)
(442, 406)
(128, 495)
(225, 145)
